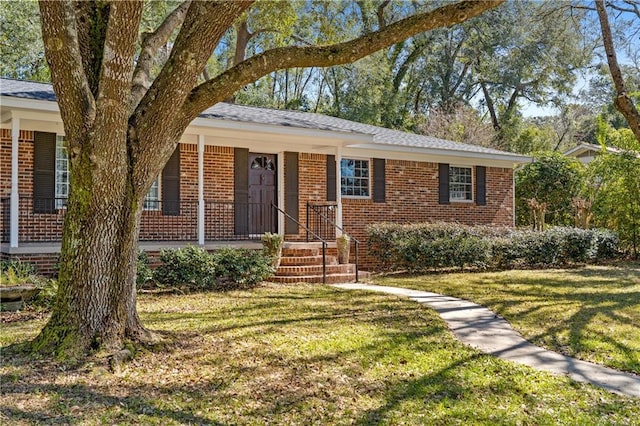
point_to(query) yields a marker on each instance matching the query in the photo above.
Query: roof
(293, 119)
(589, 147)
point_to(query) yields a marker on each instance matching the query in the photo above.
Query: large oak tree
(122, 125)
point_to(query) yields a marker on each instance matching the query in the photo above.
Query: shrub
(14, 272)
(144, 275)
(427, 246)
(46, 297)
(190, 266)
(605, 244)
(224, 269)
(241, 268)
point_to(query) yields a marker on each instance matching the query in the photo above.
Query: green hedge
(193, 268)
(428, 246)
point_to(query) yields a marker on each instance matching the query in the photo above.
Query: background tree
(614, 186)
(120, 132)
(622, 101)
(552, 179)
(21, 46)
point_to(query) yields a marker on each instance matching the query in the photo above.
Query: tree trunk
(96, 307)
(622, 102)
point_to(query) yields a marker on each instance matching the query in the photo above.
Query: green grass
(591, 313)
(297, 355)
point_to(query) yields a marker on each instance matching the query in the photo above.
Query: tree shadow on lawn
(333, 384)
(68, 404)
(564, 305)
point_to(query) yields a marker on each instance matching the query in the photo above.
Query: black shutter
(291, 191)
(241, 190)
(171, 185)
(331, 178)
(443, 183)
(481, 185)
(379, 180)
(44, 172)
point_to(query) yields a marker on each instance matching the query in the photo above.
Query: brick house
(234, 162)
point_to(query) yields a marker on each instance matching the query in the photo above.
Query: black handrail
(324, 242)
(356, 243)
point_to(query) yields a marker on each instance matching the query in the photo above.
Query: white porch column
(280, 190)
(201, 190)
(15, 205)
(338, 190)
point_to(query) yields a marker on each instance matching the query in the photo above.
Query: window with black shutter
(481, 185)
(443, 183)
(291, 186)
(44, 172)
(241, 190)
(171, 185)
(331, 178)
(379, 185)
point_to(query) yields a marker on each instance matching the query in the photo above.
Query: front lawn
(591, 313)
(297, 355)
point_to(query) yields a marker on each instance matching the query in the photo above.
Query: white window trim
(460, 200)
(370, 183)
(158, 201)
(61, 204)
(60, 199)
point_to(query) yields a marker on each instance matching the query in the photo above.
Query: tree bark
(623, 102)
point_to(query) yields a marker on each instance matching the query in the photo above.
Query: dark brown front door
(262, 192)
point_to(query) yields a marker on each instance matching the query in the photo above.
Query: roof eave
(443, 152)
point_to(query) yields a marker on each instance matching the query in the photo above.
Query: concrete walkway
(481, 328)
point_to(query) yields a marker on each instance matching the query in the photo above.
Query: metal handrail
(356, 243)
(324, 242)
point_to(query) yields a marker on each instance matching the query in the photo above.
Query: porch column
(338, 190)
(280, 190)
(201, 190)
(15, 205)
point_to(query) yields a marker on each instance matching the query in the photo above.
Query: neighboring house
(234, 161)
(587, 152)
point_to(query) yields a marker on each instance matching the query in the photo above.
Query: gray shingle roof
(296, 119)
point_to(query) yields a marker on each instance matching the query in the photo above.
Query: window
(354, 177)
(61, 174)
(460, 184)
(151, 201)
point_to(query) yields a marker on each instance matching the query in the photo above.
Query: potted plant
(273, 247)
(343, 243)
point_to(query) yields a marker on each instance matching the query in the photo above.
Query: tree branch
(116, 66)
(70, 84)
(623, 102)
(151, 44)
(204, 25)
(634, 7)
(227, 83)
(380, 14)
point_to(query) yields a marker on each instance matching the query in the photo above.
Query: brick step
(306, 260)
(301, 252)
(299, 270)
(331, 279)
(310, 244)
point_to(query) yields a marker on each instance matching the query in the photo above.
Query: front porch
(185, 222)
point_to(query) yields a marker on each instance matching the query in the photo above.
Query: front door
(262, 193)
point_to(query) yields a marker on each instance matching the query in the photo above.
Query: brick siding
(411, 196)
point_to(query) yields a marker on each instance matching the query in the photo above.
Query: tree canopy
(126, 96)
